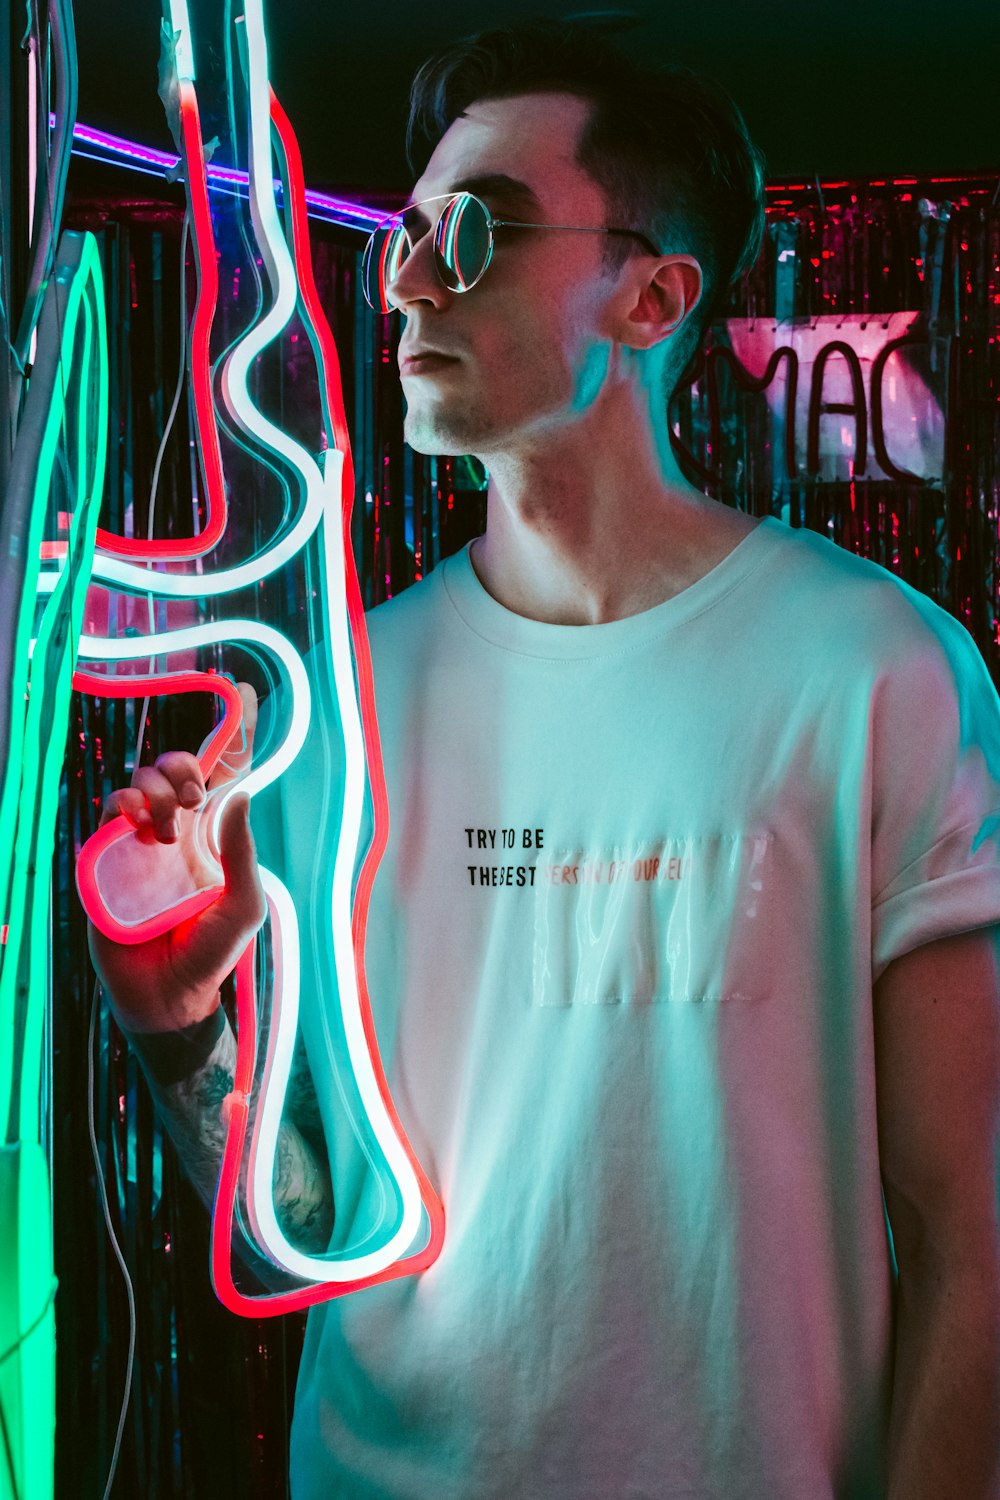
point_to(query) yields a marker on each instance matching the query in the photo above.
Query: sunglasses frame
(399, 220)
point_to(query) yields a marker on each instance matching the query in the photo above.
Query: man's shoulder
(860, 602)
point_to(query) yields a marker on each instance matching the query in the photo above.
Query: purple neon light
(130, 153)
(323, 205)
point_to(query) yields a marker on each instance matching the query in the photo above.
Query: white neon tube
(275, 254)
(184, 52)
(281, 272)
(125, 575)
(265, 1144)
(133, 648)
(322, 488)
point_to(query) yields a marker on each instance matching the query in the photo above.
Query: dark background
(839, 91)
(860, 88)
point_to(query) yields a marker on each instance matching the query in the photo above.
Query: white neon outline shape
(357, 1022)
(212, 633)
(281, 274)
(286, 998)
(265, 1140)
(282, 1036)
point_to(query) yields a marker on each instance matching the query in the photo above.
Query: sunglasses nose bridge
(386, 255)
(411, 248)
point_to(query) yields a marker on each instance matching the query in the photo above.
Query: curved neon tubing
(287, 972)
(286, 997)
(45, 718)
(27, 912)
(359, 1035)
(71, 357)
(277, 263)
(88, 860)
(342, 591)
(264, 1147)
(235, 372)
(362, 1046)
(212, 633)
(189, 638)
(32, 545)
(73, 288)
(340, 566)
(227, 580)
(314, 318)
(206, 432)
(374, 1091)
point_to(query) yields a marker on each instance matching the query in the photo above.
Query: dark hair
(668, 147)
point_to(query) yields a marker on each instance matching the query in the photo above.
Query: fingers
(183, 772)
(161, 800)
(175, 783)
(162, 790)
(132, 803)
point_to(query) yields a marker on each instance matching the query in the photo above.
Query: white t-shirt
(640, 879)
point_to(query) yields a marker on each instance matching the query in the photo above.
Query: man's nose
(417, 279)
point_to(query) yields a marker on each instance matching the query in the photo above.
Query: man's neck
(571, 542)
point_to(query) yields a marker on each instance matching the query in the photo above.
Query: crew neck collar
(502, 627)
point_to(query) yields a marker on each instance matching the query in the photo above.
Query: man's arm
(164, 992)
(937, 1046)
(191, 1110)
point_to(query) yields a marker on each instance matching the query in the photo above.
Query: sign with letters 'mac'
(852, 396)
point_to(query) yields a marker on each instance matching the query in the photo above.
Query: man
(682, 950)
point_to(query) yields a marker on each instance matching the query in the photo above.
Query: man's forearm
(945, 1429)
(192, 1112)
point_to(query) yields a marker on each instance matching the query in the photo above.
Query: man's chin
(436, 440)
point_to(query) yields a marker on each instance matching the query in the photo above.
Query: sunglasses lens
(463, 247)
(463, 244)
(385, 253)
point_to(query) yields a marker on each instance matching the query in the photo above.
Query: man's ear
(665, 299)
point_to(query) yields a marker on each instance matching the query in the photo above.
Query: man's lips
(418, 364)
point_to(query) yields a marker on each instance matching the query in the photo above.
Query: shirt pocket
(676, 918)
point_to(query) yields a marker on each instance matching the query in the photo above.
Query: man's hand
(173, 980)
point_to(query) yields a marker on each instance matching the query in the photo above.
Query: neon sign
(326, 495)
(851, 395)
(65, 416)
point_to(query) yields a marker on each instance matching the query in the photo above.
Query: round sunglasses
(463, 244)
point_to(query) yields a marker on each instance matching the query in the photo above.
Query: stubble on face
(521, 365)
(487, 398)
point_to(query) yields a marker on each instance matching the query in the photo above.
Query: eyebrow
(500, 187)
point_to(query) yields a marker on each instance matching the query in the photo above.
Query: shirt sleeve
(935, 791)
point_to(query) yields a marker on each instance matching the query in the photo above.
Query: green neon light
(66, 287)
(48, 710)
(73, 315)
(38, 738)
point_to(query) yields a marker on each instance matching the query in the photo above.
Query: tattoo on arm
(192, 1113)
(301, 1103)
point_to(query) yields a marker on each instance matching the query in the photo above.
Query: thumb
(244, 893)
